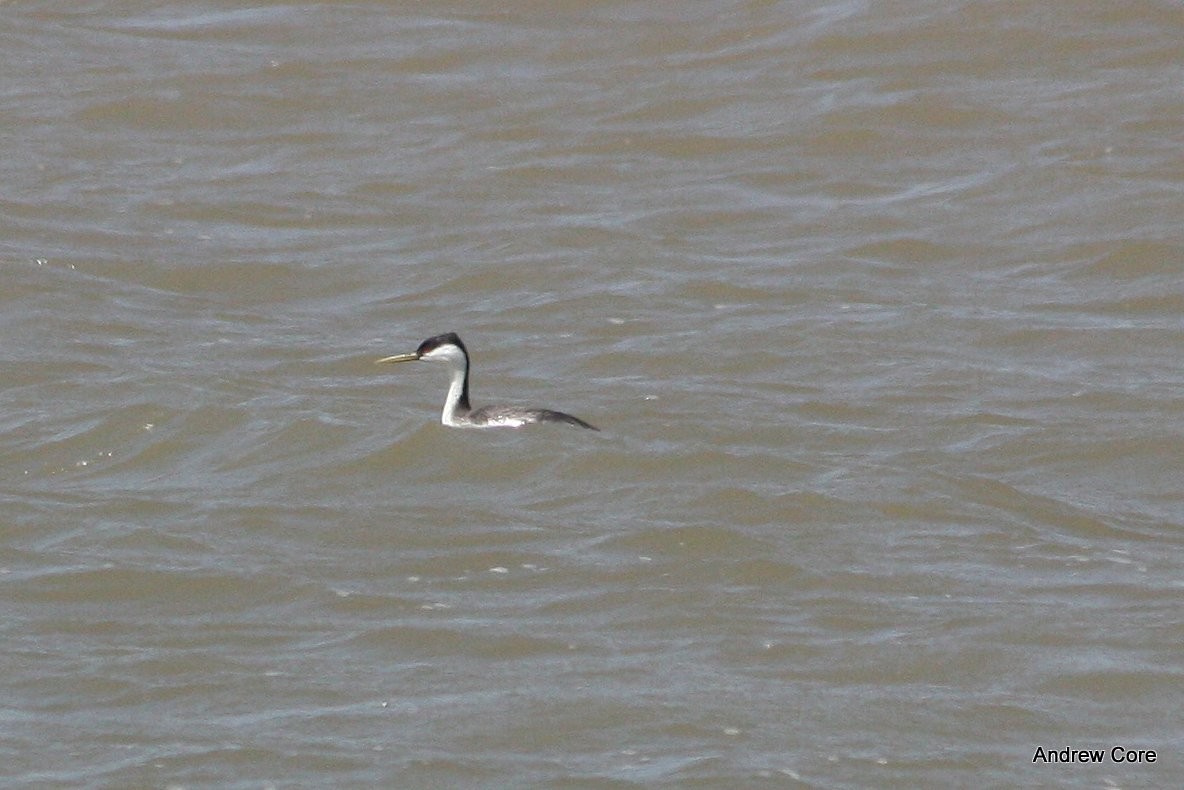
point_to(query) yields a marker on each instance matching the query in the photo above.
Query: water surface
(878, 307)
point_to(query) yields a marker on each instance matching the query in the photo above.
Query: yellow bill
(398, 358)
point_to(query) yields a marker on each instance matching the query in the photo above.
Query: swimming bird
(458, 413)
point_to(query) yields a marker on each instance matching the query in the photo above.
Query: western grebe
(457, 412)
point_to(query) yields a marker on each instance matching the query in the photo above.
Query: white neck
(452, 401)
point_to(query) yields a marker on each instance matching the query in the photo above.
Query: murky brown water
(880, 307)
